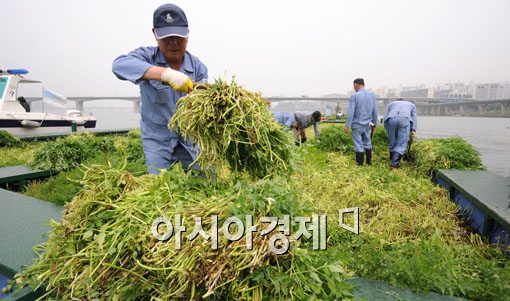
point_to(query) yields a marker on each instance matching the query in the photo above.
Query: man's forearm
(153, 73)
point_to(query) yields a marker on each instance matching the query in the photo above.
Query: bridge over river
(425, 106)
(429, 106)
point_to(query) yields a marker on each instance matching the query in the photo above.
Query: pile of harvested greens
(105, 249)
(68, 152)
(453, 152)
(9, 140)
(233, 125)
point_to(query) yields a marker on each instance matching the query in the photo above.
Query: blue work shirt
(158, 101)
(285, 119)
(402, 108)
(362, 109)
(305, 120)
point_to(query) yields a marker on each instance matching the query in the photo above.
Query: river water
(490, 136)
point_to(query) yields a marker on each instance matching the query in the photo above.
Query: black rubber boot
(391, 156)
(368, 154)
(359, 158)
(395, 160)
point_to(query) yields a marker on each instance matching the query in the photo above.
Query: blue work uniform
(304, 121)
(162, 147)
(362, 112)
(284, 119)
(399, 120)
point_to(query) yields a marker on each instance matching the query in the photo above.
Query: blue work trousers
(361, 137)
(159, 156)
(398, 129)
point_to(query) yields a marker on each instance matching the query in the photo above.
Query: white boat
(16, 117)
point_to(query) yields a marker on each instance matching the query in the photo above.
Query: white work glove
(180, 82)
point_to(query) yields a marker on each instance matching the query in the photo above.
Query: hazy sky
(276, 47)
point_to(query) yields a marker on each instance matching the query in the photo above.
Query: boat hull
(46, 129)
(30, 124)
(12, 123)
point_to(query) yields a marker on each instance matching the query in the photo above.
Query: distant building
(392, 92)
(452, 94)
(454, 91)
(506, 90)
(415, 93)
(489, 91)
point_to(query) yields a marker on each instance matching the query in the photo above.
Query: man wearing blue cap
(164, 74)
(362, 119)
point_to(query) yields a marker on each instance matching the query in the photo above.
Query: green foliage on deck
(9, 140)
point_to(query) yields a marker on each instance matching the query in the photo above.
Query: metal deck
(46, 136)
(368, 289)
(23, 224)
(16, 176)
(484, 198)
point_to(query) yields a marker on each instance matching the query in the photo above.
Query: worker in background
(362, 120)
(298, 123)
(303, 121)
(164, 73)
(285, 119)
(400, 122)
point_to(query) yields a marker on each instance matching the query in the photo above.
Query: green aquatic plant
(232, 125)
(104, 247)
(21, 155)
(9, 140)
(63, 187)
(470, 269)
(69, 152)
(134, 148)
(447, 153)
(410, 234)
(333, 138)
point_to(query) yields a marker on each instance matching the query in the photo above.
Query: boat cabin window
(3, 85)
(23, 102)
(74, 113)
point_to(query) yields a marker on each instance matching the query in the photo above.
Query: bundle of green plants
(105, 248)
(9, 140)
(69, 152)
(447, 153)
(62, 188)
(231, 124)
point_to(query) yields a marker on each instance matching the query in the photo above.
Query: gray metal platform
(368, 289)
(23, 224)
(98, 132)
(16, 176)
(484, 198)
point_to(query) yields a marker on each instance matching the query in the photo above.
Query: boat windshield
(3, 85)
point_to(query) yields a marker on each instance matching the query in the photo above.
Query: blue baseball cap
(170, 20)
